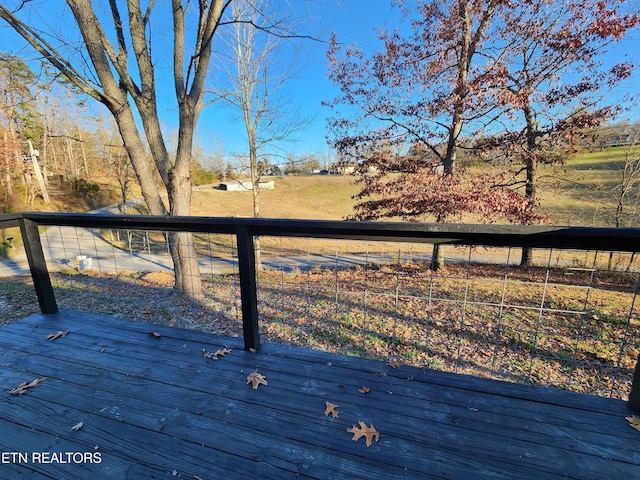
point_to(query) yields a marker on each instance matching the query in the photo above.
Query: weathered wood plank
(306, 371)
(434, 426)
(538, 393)
(199, 427)
(305, 362)
(583, 420)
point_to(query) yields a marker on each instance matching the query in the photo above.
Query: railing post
(38, 266)
(634, 396)
(248, 289)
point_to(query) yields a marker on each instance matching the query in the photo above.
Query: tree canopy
(114, 56)
(459, 76)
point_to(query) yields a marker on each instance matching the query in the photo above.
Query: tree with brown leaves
(402, 113)
(466, 67)
(553, 85)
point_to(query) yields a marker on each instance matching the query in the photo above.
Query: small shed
(244, 186)
(235, 186)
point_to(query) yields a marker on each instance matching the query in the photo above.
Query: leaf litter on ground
(221, 352)
(369, 433)
(331, 410)
(634, 422)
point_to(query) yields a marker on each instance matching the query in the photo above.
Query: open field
(581, 192)
(584, 191)
(319, 197)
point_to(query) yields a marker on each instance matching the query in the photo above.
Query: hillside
(585, 190)
(320, 197)
(581, 192)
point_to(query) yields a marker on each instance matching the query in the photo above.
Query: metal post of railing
(248, 288)
(38, 266)
(634, 396)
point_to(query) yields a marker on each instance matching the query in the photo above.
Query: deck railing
(246, 231)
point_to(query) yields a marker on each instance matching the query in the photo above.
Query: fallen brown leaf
(221, 352)
(364, 390)
(58, 334)
(331, 409)
(395, 362)
(369, 433)
(634, 422)
(256, 379)
(23, 387)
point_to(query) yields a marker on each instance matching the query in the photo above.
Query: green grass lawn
(584, 191)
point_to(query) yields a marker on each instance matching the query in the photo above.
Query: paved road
(63, 245)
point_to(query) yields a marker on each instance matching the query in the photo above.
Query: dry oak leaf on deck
(58, 334)
(369, 433)
(331, 409)
(256, 379)
(634, 422)
(395, 362)
(364, 390)
(221, 352)
(25, 386)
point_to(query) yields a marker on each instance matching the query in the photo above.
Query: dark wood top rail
(584, 238)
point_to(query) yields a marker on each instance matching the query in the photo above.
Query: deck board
(156, 408)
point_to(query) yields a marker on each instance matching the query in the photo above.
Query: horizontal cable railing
(570, 319)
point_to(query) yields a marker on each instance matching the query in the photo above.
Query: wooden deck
(154, 407)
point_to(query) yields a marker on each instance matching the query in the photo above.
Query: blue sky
(354, 21)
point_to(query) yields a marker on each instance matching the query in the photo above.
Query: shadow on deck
(154, 407)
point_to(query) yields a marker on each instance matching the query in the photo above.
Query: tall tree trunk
(7, 166)
(120, 74)
(255, 192)
(181, 247)
(84, 153)
(71, 164)
(531, 183)
(54, 156)
(530, 193)
(43, 156)
(38, 173)
(437, 258)
(185, 259)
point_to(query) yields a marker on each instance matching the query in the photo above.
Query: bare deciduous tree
(115, 65)
(629, 179)
(255, 81)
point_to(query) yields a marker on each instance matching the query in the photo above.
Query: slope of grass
(309, 197)
(583, 191)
